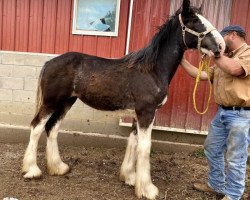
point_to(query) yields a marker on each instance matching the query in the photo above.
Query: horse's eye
(195, 20)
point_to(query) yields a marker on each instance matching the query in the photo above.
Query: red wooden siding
(8, 24)
(147, 16)
(35, 27)
(241, 15)
(22, 25)
(46, 26)
(1, 22)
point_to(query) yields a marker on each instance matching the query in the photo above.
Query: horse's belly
(107, 103)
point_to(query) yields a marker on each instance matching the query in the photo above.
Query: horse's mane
(145, 59)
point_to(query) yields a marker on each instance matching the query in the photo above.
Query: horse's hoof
(150, 191)
(129, 178)
(58, 169)
(32, 172)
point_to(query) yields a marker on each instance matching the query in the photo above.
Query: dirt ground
(94, 175)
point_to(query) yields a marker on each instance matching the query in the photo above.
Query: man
(229, 131)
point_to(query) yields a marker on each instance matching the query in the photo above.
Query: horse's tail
(39, 95)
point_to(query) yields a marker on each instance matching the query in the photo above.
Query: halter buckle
(202, 35)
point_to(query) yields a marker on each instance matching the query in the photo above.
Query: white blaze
(218, 38)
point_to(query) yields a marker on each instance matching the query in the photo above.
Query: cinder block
(100, 115)
(11, 83)
(7, 58)
(80, 113)
(17, 108)
(7, 107)
(15, 119)
(5, 70)
(13, 58)
(93, 127)
(30, 84)
(5, 95)
(112, 128)
(24, 71)
(38, 71)
(35, 60)
(79, 104)
(24, 96)
(28, 108)
(112, 120)
(72, 124)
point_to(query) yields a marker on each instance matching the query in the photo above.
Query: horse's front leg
(143, 184)
(127, 172)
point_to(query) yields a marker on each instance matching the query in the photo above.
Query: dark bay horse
(138, 81)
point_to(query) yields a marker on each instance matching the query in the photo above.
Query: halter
(200, 36)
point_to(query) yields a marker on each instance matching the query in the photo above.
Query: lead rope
(203, 65)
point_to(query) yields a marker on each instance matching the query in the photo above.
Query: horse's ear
(202, 6)
(185, 7)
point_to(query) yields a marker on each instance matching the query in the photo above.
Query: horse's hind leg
(30, 168)
(55, 165)
(127, 172)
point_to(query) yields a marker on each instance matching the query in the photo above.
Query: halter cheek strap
(200, 36)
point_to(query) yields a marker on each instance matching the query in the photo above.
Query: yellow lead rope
(203, 66)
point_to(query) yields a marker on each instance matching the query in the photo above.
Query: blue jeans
(229, 135)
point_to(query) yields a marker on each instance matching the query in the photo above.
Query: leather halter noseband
(200, 36)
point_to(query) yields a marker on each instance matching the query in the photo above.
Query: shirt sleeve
(244, 60)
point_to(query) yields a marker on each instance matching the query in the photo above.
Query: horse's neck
(168, 61)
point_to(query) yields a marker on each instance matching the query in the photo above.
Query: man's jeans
(229, 133)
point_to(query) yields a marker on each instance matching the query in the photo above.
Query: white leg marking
(127, 172)
(30, 167)
(143, 185)
(54, 163)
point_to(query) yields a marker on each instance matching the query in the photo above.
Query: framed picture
(96, 17)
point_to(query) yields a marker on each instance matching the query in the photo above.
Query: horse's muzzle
(217, 54)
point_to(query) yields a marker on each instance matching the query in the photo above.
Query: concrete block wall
(19, 73)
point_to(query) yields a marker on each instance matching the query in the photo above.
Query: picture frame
(96, 17)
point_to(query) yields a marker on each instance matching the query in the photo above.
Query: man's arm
(229, 65)
(192, 70)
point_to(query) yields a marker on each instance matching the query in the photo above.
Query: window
(217, 12)
(96, 17)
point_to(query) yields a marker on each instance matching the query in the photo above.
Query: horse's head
(198, 32)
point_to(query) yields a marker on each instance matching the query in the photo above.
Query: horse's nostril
(217, 54)
(220, 47)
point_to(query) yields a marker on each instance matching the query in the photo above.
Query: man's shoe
(203, 187)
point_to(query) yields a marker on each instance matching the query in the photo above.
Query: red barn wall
(45, 26)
